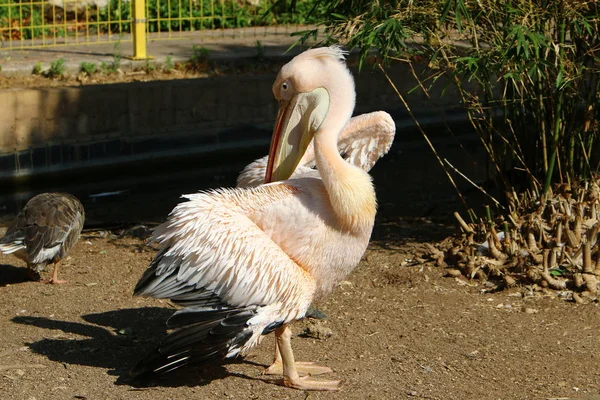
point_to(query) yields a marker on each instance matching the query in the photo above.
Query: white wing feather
(218, 248)
(365, 139)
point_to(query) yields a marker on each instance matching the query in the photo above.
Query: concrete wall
(51, 129)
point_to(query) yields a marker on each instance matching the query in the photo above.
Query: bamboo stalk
(462, 223)
(431, 146)
(558, 120)
(474, 184)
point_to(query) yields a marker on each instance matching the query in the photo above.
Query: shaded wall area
(52, 129)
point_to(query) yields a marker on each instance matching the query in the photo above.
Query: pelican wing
(254, 173)
(365, 139)
(214, 254)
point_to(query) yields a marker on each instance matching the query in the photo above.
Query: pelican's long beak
(297, 121)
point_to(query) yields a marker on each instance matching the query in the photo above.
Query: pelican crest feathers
(335, 52)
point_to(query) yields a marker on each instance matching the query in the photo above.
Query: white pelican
(248, 261)
(44, 231)
(365, 139)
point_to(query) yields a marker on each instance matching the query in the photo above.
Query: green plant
(149, 66)
(115, 65)
(260, 50)
(37, 68)
(117, 56)
(538, 69)
(535, 64)
(88, 68)
(199, 53)
(109, 68)
(57, 69)
(104, 67)
(169, 64)
(199, 59)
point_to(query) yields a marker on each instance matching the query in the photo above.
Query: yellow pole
(139, 30)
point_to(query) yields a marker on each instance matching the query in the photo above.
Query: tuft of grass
(37, 69)
(57, 69)
(104, 67)
(149, 66)
(112, 67)
(115, 65)
(199, 59)
(169, 64)
(88, 68)
(199, 53)
(260, 50)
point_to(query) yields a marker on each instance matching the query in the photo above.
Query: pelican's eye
(285, 90)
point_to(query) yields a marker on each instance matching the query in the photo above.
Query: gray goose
(44, 232)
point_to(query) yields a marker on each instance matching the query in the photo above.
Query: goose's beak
(297, 121)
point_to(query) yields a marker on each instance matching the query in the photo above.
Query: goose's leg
(54, 279)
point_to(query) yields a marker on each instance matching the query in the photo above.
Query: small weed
(115, 65)
(199, 53)
(117, 56)
(199, 59)
(88, 68)
(111, 67)
(260, 50)
(57, 68)
(149, 66)
(169, 65)
(37, 68)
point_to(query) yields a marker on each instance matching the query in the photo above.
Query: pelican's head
(314, 90)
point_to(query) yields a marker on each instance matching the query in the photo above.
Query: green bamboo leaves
(536, 64)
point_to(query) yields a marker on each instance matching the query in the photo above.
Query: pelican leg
(291, 378)
(303, 367)
(54, 280)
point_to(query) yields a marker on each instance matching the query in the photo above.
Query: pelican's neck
(349, 188)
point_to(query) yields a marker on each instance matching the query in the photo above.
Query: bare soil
(145, 73)
(399, 329)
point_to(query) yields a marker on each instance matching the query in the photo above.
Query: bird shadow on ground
(117, 340)
(10, 275)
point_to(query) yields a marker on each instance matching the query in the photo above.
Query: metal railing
(48, 23)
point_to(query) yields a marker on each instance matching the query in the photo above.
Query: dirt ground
(398, 330)
(145, 73)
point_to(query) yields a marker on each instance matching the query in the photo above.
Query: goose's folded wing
(48, 227)
(212, 253)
